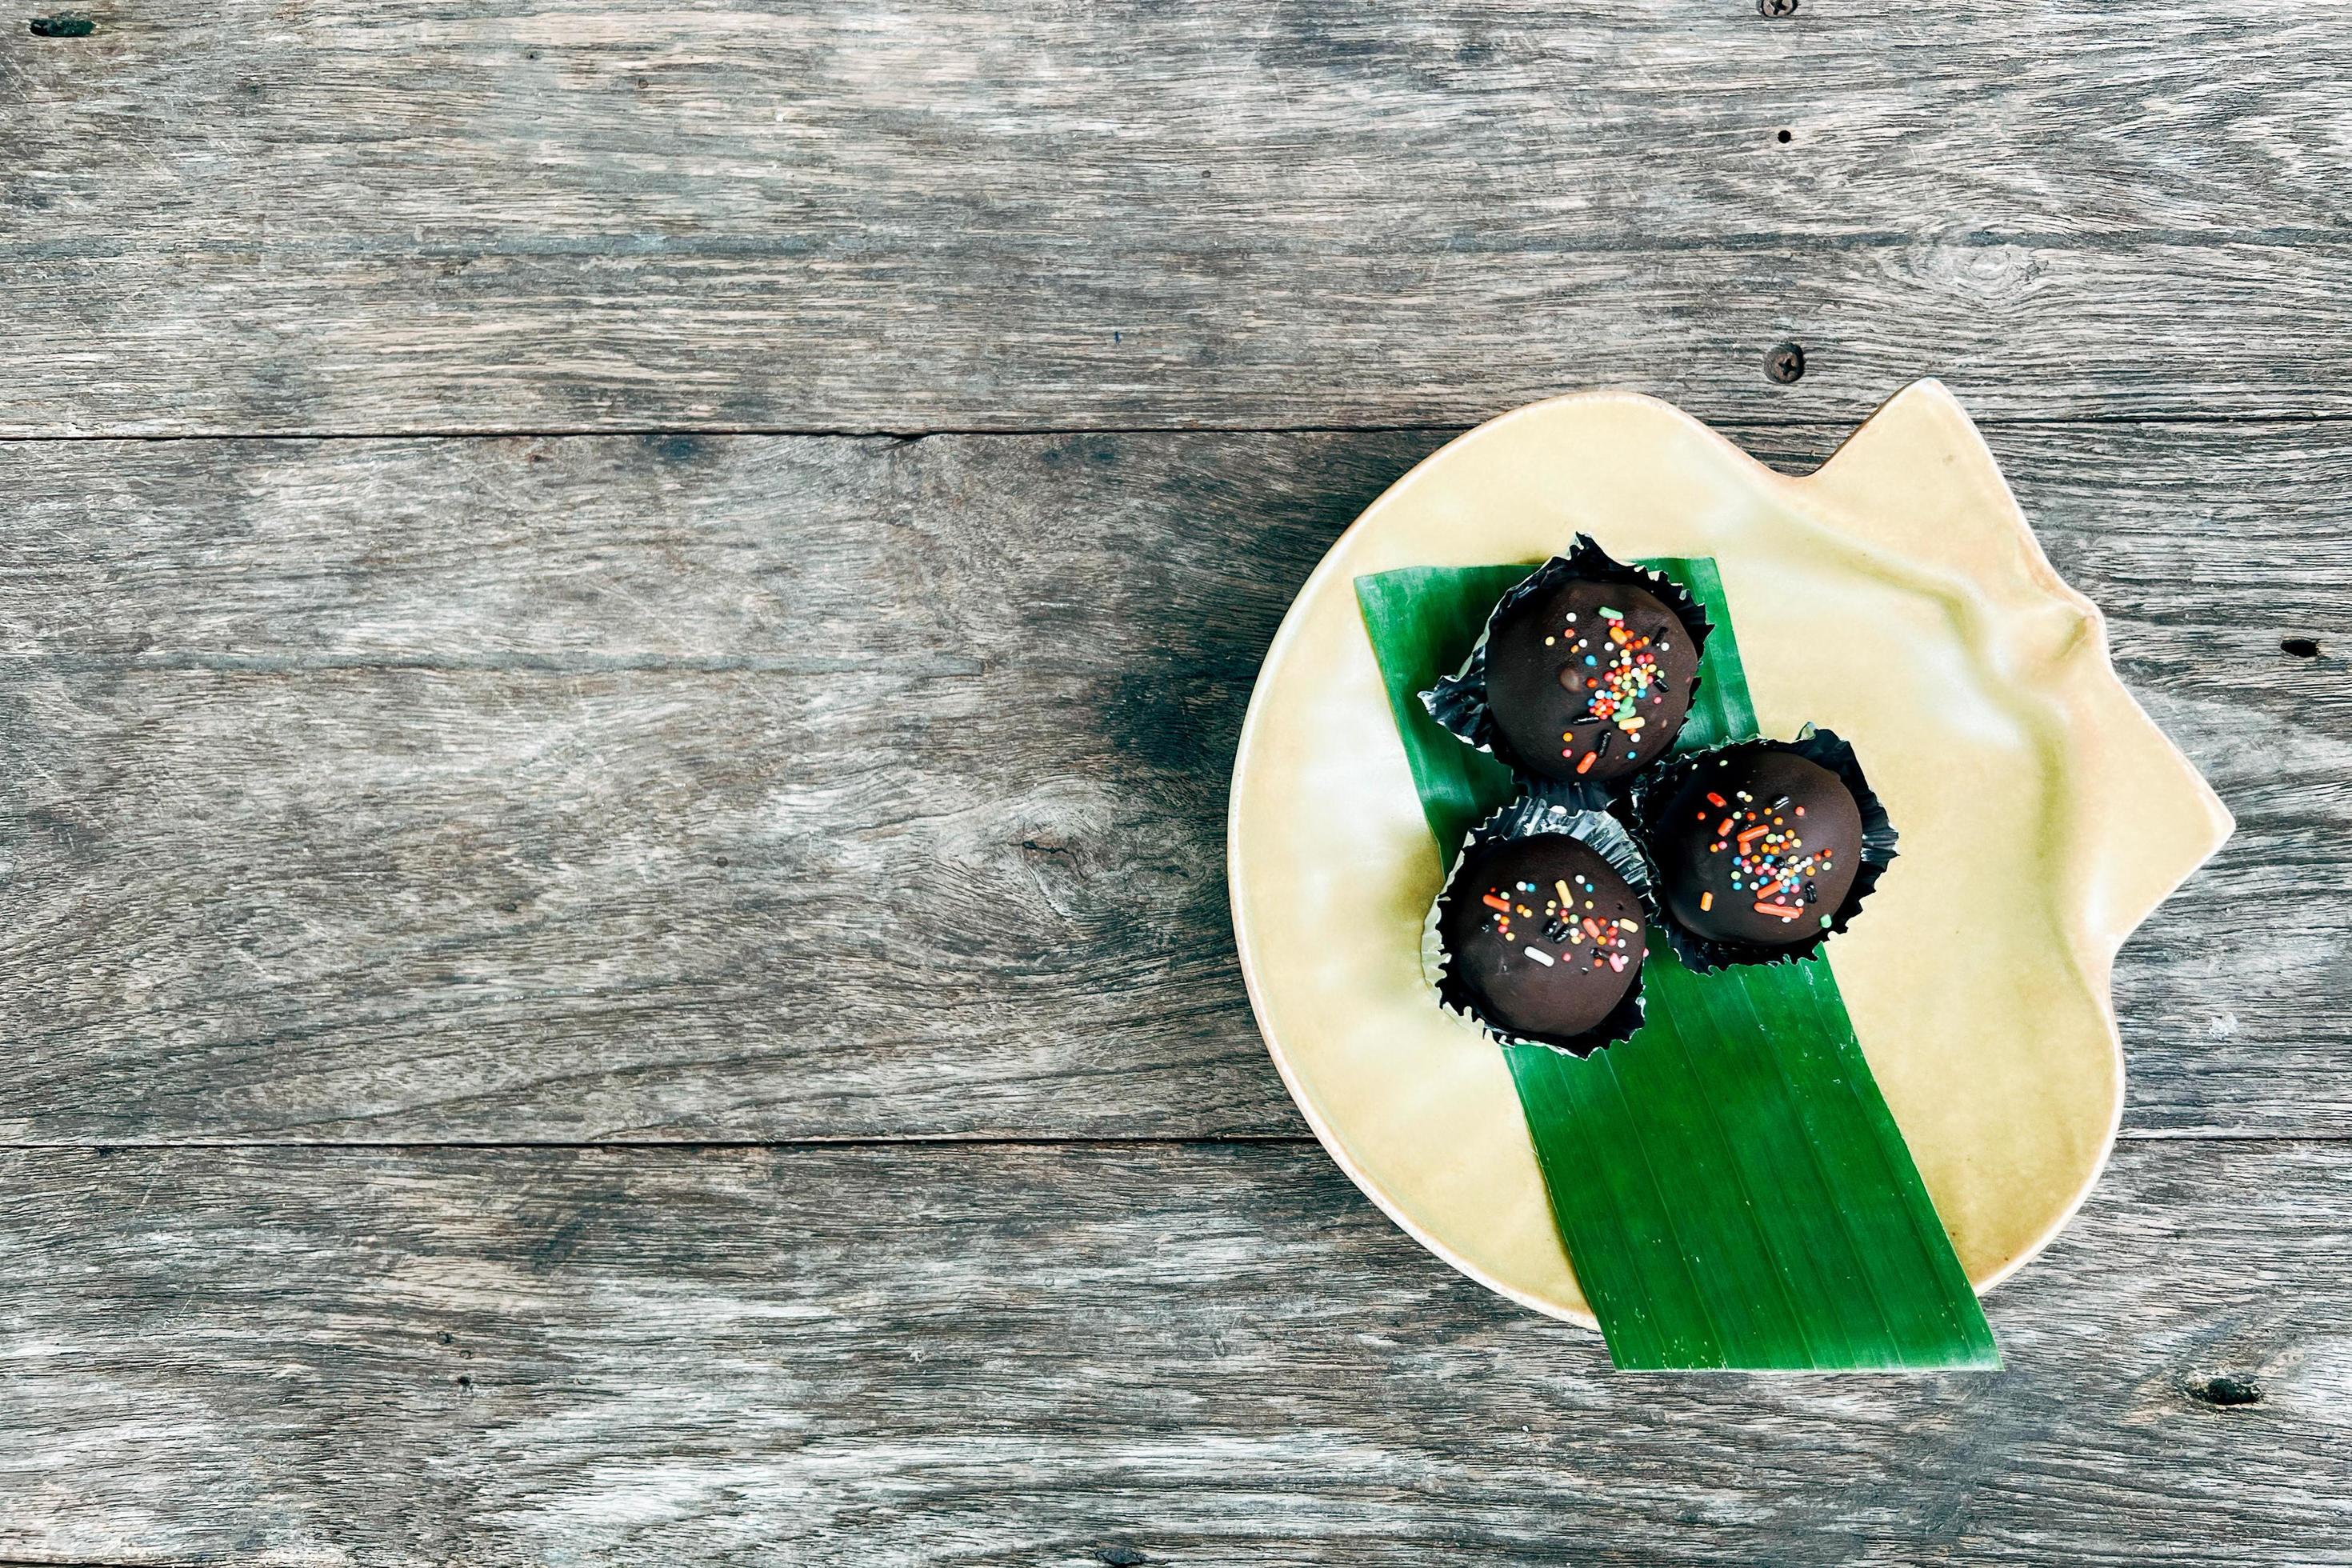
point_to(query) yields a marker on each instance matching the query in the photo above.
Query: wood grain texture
(619, 214)
(1029, 1356)
(750, 788)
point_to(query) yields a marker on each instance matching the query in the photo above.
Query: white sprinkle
(1539, 955)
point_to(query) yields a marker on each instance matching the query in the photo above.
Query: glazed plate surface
(1897, 596)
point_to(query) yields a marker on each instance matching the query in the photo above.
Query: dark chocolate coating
(1802, 864)
(1542, 694)
(1593, 966)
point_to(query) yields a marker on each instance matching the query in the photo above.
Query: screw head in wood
(1784, 362)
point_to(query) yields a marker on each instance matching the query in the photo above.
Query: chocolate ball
(1590, 680)
(1544, 937)
(1759, 845)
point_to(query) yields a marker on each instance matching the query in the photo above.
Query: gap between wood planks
(920, 1139)
(1009, 432)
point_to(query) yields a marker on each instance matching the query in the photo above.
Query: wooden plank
(1054, 1356)
(621, 214)
(2209, 549)
(756, 788)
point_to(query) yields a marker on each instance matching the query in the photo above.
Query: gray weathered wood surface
(621, 214)
(518, 789)
(1045, 1355)
(386, 818)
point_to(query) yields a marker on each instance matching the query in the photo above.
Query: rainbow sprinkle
(1769, 862)
(1616, 692)
(1606, 943)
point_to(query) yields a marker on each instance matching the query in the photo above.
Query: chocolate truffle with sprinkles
(1758, 846)
(1543, 936)
(1588, 680)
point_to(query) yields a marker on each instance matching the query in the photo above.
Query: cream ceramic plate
(1896, 597)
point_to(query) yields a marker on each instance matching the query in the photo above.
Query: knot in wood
(2225, 1390)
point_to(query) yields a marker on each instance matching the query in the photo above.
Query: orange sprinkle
(1492, 902)
(1706, 902)
(1717, 798)
(1586, 765)
(1752, 833)
(1723, 828)
(1785, 911)
(1593, 927)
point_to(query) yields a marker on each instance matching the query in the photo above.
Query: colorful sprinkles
(1616, 670)
(1769, 862)
(1562, 921)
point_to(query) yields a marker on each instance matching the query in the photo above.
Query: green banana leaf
(1729, 1186)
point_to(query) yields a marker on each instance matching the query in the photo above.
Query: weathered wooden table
(621, 629)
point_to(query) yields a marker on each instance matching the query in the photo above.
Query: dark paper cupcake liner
(1458, 702)
(1655, 785)
(1526, 817)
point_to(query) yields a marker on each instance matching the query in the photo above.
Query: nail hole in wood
(1785, 137)
(1785, 363)
(1121, 1556)
(62, 25)
(2302, 647)
(2226, 1391)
